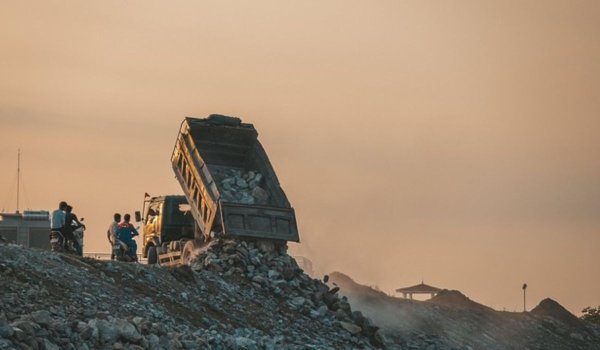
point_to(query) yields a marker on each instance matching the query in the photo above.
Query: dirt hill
(450, 320)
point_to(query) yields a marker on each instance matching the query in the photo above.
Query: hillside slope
(232, 297)
(450, 320)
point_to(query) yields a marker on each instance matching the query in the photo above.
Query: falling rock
(266, 246)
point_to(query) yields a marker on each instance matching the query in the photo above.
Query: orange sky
(455, 142)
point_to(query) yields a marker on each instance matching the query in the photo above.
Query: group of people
(63, 220)
(123, 231)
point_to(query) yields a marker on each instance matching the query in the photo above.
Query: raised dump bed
(229, 182)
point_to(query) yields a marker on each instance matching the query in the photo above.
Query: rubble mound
(451, 320)
(232, 297)
(551, 308)
(267, 266)
(456, 299)
(347, 284)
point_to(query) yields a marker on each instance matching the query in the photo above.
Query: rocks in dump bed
(240, 187)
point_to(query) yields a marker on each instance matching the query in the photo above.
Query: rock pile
(268, 267)
(241, 187)
(451, 321)
(54, 301)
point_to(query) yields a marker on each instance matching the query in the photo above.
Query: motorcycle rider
(125, 233)
(111, 234)
(57, 220)
(72, 223)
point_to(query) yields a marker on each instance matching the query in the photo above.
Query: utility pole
(18, 176)
(524, 299)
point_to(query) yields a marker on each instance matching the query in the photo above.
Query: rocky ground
(450, 320)
(242, 295)
(233, 296)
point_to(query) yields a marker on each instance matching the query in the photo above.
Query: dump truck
(230, 190)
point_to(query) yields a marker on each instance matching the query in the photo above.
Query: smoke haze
(451, 142)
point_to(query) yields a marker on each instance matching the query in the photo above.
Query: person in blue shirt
(57, 221)
(125, 234)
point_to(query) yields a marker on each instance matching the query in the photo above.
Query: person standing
(111, 234)
(57, 220)
(125, 233)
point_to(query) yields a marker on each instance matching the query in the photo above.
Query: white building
(30, 229)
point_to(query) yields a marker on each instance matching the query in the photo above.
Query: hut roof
(419, 288)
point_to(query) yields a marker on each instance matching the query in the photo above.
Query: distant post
(524, 299)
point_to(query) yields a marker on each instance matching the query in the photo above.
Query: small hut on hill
(422, 288)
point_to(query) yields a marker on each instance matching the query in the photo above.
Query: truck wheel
(188, 249)
(152, 255)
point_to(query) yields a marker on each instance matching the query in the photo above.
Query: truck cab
(165, 219)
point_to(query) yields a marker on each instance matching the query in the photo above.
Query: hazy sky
(451, 141)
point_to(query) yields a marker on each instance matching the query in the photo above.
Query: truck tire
(152, 255)
(188, 249)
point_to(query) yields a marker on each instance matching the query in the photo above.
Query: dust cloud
(455, 144)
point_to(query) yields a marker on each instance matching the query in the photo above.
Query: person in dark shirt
(72, 223)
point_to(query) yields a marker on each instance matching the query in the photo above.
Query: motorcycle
(78, 233)
(121, 252)
(58, 244)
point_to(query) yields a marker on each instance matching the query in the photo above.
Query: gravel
(234, 295)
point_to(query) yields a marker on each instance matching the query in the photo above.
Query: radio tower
(18, 176)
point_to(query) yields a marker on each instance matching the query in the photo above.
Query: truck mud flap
(259, 221)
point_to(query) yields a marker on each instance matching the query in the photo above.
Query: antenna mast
(18, 176)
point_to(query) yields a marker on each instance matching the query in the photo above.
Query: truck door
(152, 221)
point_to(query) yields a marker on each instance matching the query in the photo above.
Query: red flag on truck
(146, 195)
